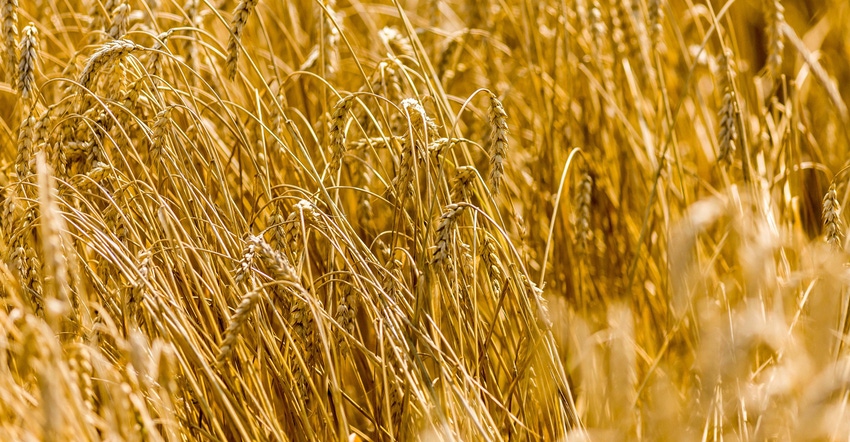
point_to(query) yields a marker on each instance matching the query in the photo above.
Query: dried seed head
(462, 183)
(120, 19)
(832, 224)
(581, 217)
(237, 322)
(775, 18)
(727, 137)
(237, 27)
(499, 146)
(418, 118)
(26, 67)
(109, 53)
(9, 15)
(445, 232)
(396, 42)
(337, 132)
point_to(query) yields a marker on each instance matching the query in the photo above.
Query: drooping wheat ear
(23, 161)
(490, 258)
(28, 262)
(237, 322)
(120, 18)
(10, 38)
(337, 132)
(52, 226)
(445, 232)
(110, 52)
(26, 67)
(82, 370)
(581, 217)
(159, 138)
(499, 146)
(832, 224)
(139, 287)
(774, 14)
(100, 13)
(237, 26)
(277, 242)
(189, 52)
(278, 267)
(462, 183)
(397, 43)
(419, 119)
(155, 60)
(346, 310)
(11, 215)
(727, 138)
(246, 262)
(656, 16)
(330, 41)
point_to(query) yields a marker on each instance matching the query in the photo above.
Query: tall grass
(401, 220)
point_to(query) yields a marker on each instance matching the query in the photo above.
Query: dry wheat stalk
(9, 15)
(499, 146)
(237, 27)
(26, 68)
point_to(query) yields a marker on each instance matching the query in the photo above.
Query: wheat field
(319, 220)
